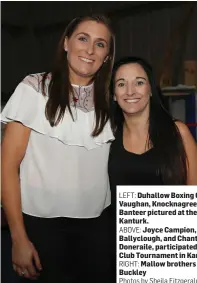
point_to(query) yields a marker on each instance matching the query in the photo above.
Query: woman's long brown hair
(60, 86)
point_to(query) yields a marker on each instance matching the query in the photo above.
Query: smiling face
(132, 89)
(87, 49)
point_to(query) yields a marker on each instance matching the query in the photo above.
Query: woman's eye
(120, 84)
(82, 38)
(100, 44)
(140, 83)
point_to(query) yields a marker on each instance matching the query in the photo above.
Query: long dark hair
(60, 86)
(164, 135)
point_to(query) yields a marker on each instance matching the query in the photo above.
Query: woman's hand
(25, 259)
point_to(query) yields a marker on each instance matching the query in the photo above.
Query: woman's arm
(191, 151)
(14, 144)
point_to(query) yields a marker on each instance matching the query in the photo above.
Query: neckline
(137, 154)
(131, 152)
(82, 86)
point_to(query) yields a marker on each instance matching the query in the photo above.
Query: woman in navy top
(151, 148)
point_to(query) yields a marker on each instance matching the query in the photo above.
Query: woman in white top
(58, 134)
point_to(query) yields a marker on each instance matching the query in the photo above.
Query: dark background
(31, 31)
(164, 33)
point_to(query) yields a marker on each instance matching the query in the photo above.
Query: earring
(105, 60)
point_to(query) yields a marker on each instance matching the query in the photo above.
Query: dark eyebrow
(121, 79)
(141, 78)
(101, 39)
(83, 33)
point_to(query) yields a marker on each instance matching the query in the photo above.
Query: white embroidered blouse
(64, 170)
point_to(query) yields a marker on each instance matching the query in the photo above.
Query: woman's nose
(90, 49)
(131, 89)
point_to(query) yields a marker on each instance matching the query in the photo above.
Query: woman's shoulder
(183, 129)
(27, 106)
(35, 81)
(188, 140)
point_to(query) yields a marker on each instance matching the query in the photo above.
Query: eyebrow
(141, 78)
(101, 39)
(122, 79)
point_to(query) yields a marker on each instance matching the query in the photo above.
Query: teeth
(86, 60)
(132, 100)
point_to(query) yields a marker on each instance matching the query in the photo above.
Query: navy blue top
(128, 168)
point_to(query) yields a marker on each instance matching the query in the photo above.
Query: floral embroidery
(82, 98)
(35, 81)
